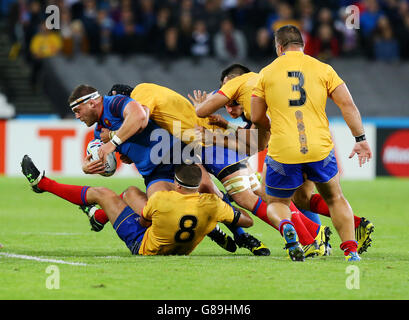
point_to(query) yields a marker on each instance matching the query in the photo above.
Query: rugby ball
(110, 164)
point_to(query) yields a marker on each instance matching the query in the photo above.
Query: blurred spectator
(369, 17)
(91, 26)
(385, 45)
(284, 16)
(146, 15)
(230, 43)
(213, 15)
(185, 33)
(262, 49)
(43, 45)
(169, 49)
(31, 16)
(201, 45)
(222, 28)
(349, 35)
(404, 37)
(325, 44)
(106, 25)
(306, 14)
(74, 40)
(157, 34)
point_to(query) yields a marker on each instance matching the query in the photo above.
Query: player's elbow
(201, 113)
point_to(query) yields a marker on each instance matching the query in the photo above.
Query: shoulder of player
(209, 198)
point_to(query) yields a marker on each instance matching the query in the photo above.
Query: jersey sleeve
(333, 80)
(258, 89)
(147, 211)
(231, 88)
(118, 104)
(224, 212)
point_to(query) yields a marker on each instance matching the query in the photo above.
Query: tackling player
(289, 102)
(169, 223)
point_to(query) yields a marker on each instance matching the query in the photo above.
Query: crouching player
(169, 223)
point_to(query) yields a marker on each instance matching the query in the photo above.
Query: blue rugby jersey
(143, 152)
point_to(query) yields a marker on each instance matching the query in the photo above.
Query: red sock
(100, 216)
(260, 211)
(318, 205)
(312, 227)
(303, 233)
(349, 246)
(71, 193)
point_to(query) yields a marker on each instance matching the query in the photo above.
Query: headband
(184, 185)
(84, 99)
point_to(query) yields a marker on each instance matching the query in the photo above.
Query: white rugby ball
(110, 164)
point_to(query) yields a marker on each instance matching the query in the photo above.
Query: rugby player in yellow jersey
(174, 113)
(169, 223)
(288, 108)
(236, 86)
(237, 83)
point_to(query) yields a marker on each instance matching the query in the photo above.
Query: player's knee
(301, 199)
(132, 194)
(334, 198)
(103, 193)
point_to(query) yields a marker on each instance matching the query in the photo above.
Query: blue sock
(312, 216)
(237, 231)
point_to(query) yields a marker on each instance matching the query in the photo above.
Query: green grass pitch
(99, 266)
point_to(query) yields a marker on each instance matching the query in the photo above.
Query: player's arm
(244, 219)
(343, 99)
(206, 105)
(261, 123)
(233, 217)
(135, 120)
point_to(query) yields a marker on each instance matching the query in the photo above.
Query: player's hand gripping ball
(110, 164)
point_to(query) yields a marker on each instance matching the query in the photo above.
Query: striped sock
(74, 194)
(260, 211)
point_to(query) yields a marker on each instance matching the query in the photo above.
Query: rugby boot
(89, 210)
(363, 235)
(292, 246)
(32, 174)
(222, 239)
(352, 257)
(251, 243)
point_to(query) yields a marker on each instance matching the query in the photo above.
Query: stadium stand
(183, 45)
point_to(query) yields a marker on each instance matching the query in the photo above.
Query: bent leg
(339, 208)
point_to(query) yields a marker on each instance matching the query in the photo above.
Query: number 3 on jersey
(189, 229)
(297, 87)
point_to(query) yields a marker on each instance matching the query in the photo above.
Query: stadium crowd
(226, 29)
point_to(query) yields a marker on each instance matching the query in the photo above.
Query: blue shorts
(129, 229)
(283, 179)
(221, 161)
(162, 172)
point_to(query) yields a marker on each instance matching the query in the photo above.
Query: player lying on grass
(237, 82)
(174, 113)
(168, 223)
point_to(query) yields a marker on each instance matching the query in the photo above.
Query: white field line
(22, 256)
